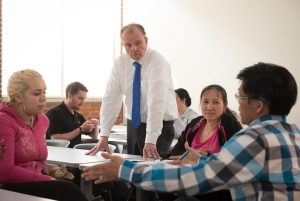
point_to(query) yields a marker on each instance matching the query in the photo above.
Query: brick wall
(89, 110)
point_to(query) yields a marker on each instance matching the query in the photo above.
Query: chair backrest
(89, 146)
(57, 143)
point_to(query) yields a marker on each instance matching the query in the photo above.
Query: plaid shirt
(260, 162)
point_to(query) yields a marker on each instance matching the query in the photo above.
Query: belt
(168, 122)
(164, 122)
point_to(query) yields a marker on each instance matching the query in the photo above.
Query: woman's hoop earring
(24, 108)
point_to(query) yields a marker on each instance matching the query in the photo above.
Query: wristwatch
(80, 130)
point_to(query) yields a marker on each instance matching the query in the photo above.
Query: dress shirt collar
(280, 118)
(142, 60)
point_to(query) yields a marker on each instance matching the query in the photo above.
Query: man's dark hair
(272, 84)
(74, 87)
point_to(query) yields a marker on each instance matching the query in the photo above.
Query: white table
(130, 157)
(71, 157)
(75, 158)
(6, 195)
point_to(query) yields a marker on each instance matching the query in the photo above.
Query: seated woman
(23, 149)
(186, 114)
(209, 132)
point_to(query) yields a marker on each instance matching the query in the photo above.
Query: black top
(228, 126)
(63, 121)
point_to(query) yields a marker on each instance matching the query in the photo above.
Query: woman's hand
(49, 168)
(190, 159)
(202, 152)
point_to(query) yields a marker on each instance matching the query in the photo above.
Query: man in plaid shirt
(260, 162)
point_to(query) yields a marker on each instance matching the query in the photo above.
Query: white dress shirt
(158, 102)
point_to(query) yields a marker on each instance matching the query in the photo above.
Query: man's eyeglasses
(238, 97)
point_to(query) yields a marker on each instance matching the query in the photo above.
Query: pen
(183, 155)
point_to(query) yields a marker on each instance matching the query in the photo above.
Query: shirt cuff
(151, 138)
(126, 170)
(104, 133)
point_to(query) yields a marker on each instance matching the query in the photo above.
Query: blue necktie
(136, 95)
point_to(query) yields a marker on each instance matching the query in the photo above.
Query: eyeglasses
(238, 97)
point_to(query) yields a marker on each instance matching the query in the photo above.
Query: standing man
(152, 132)
(65, 122)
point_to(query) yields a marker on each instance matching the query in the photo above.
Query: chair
(57, 143)
(89, 146)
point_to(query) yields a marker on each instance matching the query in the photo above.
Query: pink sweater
(23, 150)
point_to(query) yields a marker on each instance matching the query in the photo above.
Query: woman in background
(185, 114)
(22, 140)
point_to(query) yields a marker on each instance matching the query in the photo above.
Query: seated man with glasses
(260, 162)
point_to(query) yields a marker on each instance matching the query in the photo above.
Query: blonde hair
(18, 83)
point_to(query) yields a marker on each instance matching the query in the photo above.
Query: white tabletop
(129, 157)
(70, 156)
(6, 195)
(73, 157)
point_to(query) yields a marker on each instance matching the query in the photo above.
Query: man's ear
(69, 95)
(261, 108)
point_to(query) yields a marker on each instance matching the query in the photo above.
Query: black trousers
(135, 145)
(57, 190)
(136, 138)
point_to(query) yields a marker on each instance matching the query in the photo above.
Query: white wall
(209, 41)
